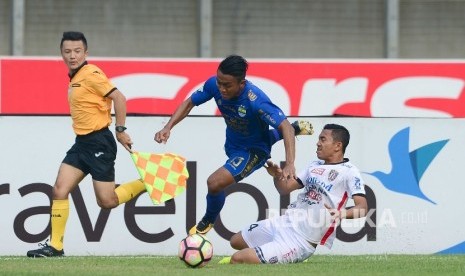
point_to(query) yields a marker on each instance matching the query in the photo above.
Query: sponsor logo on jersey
(267, 116)
(357, 183)
(332, 175)
(272, 121)
(325, 186)
(252, 96)
(314, 195)
(319, 186)
(319, 171)
(242, 111)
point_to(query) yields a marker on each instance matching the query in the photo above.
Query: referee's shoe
(45, 251)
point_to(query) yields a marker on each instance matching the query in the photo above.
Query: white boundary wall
(31, 149)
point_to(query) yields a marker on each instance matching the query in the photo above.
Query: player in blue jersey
(248, 113)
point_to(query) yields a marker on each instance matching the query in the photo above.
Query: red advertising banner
(300, 87)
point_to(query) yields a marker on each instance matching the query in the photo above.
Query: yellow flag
(164, 175)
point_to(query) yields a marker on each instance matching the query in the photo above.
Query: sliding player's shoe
(45, 251)
(225, 260)
(302, 127)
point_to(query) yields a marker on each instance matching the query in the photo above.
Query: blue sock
(274, 135)
(214, 205)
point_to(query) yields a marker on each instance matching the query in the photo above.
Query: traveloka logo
(407, 170)
(408, 167)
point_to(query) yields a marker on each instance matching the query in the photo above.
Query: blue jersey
(247, 117)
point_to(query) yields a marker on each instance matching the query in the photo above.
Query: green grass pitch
(158, 265)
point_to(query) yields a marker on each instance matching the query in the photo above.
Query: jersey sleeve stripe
(111, 91)
(333, 224)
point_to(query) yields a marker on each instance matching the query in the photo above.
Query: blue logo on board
(408, 167)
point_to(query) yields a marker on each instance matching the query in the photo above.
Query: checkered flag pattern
(164, 175)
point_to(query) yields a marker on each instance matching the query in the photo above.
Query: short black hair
(74, 36)
(339, 134)
(235, 66)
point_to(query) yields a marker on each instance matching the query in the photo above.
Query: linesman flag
(164, 175)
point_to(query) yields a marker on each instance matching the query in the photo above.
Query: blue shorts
(242, 163)
(94, 154)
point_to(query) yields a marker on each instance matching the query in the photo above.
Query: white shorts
(275, 241)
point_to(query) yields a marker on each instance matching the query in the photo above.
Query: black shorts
(94, 154)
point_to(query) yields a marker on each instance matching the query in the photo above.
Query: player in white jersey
(312, 219)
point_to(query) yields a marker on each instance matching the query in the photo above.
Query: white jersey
(330, 184)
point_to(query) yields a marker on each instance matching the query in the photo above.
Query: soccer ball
(195, 250)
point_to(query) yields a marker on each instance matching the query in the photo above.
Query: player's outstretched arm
(283, 186)
(181, 112)
(289, 146)
(359, 210)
